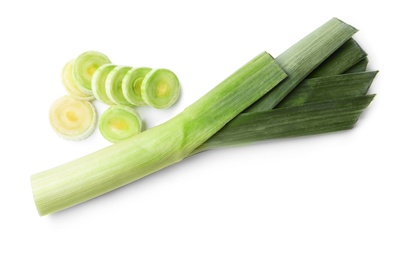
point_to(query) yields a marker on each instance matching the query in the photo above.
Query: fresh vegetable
(158, 147)
(85, 66)
(119, 122)
(132, 83)
(70, 85)
(99, 83)
(72, 119)
(160, 88)
(113, 85)
(138, 156)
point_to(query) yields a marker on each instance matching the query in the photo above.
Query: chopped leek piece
(132, 83)
(360, 66)
(114, 85)
(345, 57)
(70, 85)
(303, 57)
(99, 83)
(158, 147)
(160, 88)
(85, 66)
(119, 122)
(72, 119)
(327, 88)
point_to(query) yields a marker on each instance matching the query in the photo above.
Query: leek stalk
(158, 147)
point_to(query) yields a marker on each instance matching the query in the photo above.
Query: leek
(119, 122)
(132, 83)
(158, 147)
(160, 88)
(113, 85)
(99, 83)
(70, 85)
(85, 66)
(72, 119)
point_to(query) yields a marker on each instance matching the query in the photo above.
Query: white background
(323, 197)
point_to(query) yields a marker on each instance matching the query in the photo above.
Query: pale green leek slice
(85, 66)
(99, 83)
(119, 122)
(113, 85)
(136, 157)
(72, 119)
(132, 83)
(70, 85)
(160, 88)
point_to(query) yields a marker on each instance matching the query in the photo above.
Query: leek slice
(70, 85)
(119, 122)
(132, 83)
(160, 88)
(85, 66)
(114, 85)
(99, 83)
(72, 119)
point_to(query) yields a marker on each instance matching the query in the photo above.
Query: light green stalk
(158, 147)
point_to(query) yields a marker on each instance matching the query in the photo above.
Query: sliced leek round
(119, 122)
(70, 85)
(85, 66)
(99, 83)
(160, 88)
(132, 83)
(114, 85)
(72, 119)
